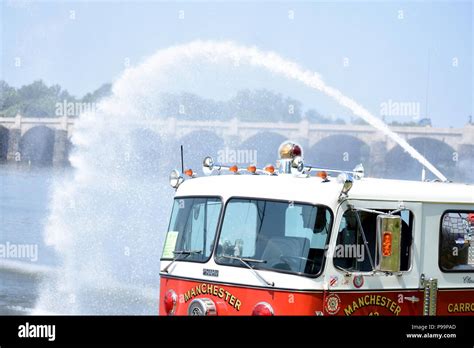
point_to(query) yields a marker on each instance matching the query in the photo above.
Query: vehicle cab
(298, 240)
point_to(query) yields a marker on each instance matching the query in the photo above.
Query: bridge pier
(13, 152)
(60, 150)
(378, 151)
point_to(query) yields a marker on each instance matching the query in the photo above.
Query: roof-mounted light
(289, 150)
(322, 174)
(288, 153)
(175, 179)
(269, 169)
(234, 169)
(208, 165)
(190, 173)
(252, 169)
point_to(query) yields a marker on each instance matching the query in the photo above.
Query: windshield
(281, 236)
(192, 228)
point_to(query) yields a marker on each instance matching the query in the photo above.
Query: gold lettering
(232, 300)
(216, 290)
(372, 299)
(366, 299)
(460, 307)
(355, 306)
(221, 292)
(227, 294)
(377, 302)
(389, 303)
(198, 290)
(398, 310)
(361, 302)
(237, 305)
(203, 288)
(187, 296)
(348, 310)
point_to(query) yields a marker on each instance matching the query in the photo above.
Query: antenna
(423, 171)
(428, 83)
(182, 160)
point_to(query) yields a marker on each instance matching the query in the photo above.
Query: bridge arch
(196, 146)
(339, 151)
(37, 146)
(261, 148)
(4, 135)
(400, 165)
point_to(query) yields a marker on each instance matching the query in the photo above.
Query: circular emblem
(358, 281)
(332, 304)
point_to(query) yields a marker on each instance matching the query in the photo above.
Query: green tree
(33, 100)
(103, 91)
(8, 96)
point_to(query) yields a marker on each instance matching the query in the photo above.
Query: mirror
(387, 258)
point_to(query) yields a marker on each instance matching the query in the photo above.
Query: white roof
(314, 190)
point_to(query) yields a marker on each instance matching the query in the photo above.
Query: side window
(352, 255)
(456, 252)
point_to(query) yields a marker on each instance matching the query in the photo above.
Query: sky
(383, 54)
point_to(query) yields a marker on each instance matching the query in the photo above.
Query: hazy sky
(376, 52)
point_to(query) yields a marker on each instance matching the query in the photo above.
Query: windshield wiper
(245, 261)
(178, 253)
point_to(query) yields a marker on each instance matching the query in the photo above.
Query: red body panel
(455, 302)
(240, 300)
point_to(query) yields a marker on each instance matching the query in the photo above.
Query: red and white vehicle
(297, 240)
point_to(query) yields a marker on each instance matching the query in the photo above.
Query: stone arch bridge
(19, 138)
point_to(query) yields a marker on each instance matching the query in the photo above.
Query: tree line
(39, 100)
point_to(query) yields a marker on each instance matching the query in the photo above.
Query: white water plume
(217, 51)
(108, 221)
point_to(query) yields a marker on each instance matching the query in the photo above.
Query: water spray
(215, 51)
(96, 213)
